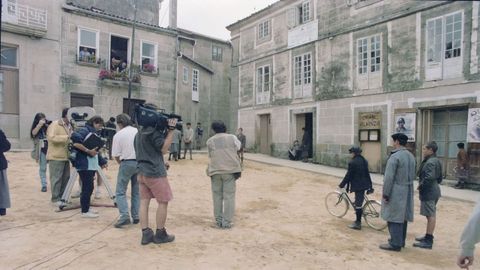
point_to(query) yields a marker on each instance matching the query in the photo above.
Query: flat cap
(400, 137)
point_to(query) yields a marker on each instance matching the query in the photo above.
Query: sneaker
(44, 189)
(89, 214)
(420, 238)
(136, 221)
(122, 222)
(98, 194)
(147, 236)
(163, 237)
(77, 194)
(424, 244)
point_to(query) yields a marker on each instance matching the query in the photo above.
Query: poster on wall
(473, 126)
(405, 123)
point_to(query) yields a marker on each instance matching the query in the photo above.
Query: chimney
(173, 14)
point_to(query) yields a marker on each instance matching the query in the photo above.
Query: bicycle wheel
(336, 204)
(371, 214)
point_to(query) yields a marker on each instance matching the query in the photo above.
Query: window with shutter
(444, 42)
(299, 14)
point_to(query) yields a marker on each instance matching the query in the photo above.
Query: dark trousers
(398, 233)
(87, 188)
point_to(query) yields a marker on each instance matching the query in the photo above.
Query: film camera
(150, 117)
(78, 116)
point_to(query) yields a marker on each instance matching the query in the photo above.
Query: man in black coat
(357, 180)
(4, 191)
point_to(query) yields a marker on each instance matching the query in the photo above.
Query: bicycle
(338, 203)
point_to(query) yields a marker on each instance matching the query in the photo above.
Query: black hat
(402, 138)
(355, 149)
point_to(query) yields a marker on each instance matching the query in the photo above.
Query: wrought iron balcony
(23, 19)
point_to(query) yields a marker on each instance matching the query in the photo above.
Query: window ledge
(149, 74)
(117, 83)
(87, 64)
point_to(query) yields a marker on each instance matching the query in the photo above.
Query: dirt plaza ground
(281, 223)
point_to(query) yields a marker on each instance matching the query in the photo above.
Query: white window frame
(263, 85)
(79, 38)
(185, 74)
(155, 54)
(16, 56)
(195, 84)
(366, 48)
(439, 66)
(129, 48)
(217, 53)
(263, 30)
(301, 14)
(305, 12)
(302, 75)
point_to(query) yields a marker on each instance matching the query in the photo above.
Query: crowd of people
(140, 155)
(139, 151)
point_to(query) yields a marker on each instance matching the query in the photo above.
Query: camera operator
(87, 162)
(151, 143)
(38, 133)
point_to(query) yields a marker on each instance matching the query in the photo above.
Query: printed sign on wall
(370, 120)
(473, 126)
(405, 123)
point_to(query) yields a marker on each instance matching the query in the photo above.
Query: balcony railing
(25, 17)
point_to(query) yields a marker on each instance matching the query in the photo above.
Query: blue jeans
(127, 172)
(42, 170)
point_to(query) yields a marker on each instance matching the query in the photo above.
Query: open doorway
(118, 53)
(304, 133)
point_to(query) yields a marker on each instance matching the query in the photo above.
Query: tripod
(71, 182)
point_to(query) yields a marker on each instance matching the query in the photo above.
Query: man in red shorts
(150, 146)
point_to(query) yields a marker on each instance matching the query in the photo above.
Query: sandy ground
(281, 223)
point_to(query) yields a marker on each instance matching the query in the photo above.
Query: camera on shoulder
(151, 117)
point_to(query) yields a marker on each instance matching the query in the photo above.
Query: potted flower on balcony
(149, 68)
(104, 74)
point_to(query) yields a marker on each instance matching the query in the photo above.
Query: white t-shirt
(122, 145)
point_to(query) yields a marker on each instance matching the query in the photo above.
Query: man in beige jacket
(224, 169)
(58, 136)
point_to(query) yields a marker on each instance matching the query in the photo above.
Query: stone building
(354, 72)
(82, 54)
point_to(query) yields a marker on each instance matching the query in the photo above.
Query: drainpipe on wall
(178, 54)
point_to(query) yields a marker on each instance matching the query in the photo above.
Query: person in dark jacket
(4, 190)
(357, 180)
(87, 162)
(38, 133)
(430, 175)
(150, 145)
(110, 130)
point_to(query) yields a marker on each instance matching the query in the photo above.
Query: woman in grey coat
(397, 203)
